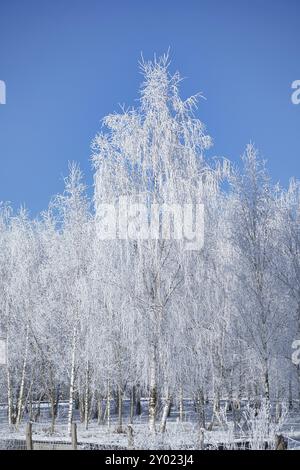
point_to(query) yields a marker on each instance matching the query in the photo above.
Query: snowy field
(178, 435)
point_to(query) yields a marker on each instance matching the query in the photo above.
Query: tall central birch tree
(154, 154)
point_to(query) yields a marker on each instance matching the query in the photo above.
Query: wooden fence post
(29, 444)
(74, 436)
(201, 439)
(280, 442)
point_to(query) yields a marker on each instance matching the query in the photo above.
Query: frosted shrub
(262, 427)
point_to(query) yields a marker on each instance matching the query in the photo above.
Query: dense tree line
(88, 319)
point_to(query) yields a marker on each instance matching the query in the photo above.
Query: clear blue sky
(67, 63)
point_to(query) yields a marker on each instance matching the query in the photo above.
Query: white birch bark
(86, 399)
(23, 377)
(166, 412)
(72, 379)
(153, 389)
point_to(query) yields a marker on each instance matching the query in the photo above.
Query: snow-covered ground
(178, 435)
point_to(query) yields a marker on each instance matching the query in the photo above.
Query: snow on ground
(179, 435)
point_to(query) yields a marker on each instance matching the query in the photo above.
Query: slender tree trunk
(132, 403)
(266, 383)
(229, 403)
(81, 401)
(8, 376)
(278, 411)
(153, 390)
(108, 404)
(54, 400)
(9, 386)
(216, 408)
(200, 408)
(290, 395)
(72, 380)
(30, 407)
(138, 406)
(86, 398)
(181, 407)
(9, 396)
(120, 409)
(201, 439)
(21, 394)
(53, 413)
(166, 411)
(28, 398)
(99, 409)
(37, 412)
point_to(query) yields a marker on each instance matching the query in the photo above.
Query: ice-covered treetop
(159, 141)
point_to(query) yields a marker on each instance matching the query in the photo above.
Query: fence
(37, 431)
(35, 439)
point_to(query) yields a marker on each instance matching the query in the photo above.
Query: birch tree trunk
(266, 382)
(166, 411)
(108, 404)
(138, 406)
(216, 408)
(290, 395)
(153, 389)
(54, 400)
(86, 398)
(132, 403)
(200, 408)
(53, 413)
(99, 409)
(120, 408)
(21, 394)
(181, 408)
(72, 379)
(9, 388)
(9, 396)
